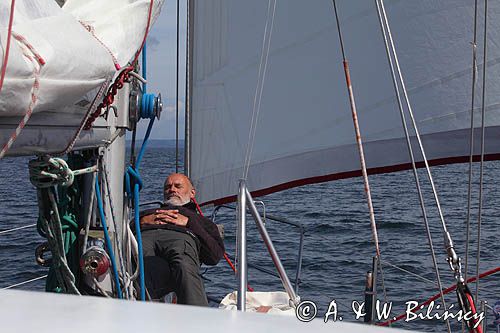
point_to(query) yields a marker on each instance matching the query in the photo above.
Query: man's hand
(171, 216)
(148, 219)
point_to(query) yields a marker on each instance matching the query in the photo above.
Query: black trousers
(171, 263)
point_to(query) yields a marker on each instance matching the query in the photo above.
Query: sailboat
(266, 103)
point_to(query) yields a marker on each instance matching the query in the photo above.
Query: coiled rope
(51, 228)
(51, 171)
(58, 223)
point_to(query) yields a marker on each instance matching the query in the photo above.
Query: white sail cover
(74, 49)
(305, 131)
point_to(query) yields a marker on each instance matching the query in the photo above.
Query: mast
(189, 86)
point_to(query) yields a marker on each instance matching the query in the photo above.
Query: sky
(161, 69)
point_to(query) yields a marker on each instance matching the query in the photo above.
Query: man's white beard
(176, 201)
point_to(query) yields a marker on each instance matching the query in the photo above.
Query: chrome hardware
(95, 261)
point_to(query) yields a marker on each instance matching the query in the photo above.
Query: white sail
(304, 130)
(69, 53)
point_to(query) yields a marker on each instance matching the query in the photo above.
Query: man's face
(177, 190)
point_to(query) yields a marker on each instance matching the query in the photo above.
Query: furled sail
(59, 59)
(304, 131)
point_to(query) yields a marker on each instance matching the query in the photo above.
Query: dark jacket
(201, 228)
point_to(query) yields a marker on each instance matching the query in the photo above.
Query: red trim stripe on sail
(354, 173)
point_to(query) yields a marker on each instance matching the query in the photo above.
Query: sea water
(338, 246)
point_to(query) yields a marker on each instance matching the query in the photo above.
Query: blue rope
(106, 237)
(133, 177)
(147, 106)
(139, 242)
(144, 63)
(144, 144)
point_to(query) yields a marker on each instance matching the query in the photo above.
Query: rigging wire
(177, 97)
(7, 47)
(421, 278)
(483, 110)
(25, 282)
(360, 149)
(471, 154)
(453, 259)
(264, 56)
(18, 228)
(384, 28)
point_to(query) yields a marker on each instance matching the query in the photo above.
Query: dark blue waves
(338, 246)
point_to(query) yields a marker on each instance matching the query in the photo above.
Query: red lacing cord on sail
(120, 79)
(7, 48)
(225, 253)
(446, 291)
(110, 95)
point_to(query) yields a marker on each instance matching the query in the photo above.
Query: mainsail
(60, 58)
(304, 132)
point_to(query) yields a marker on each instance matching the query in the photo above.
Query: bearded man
(176, 240)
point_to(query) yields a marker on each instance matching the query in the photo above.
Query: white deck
(23, 311)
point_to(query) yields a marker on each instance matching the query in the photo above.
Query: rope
(47, 172)
(50, 224)
(7, 47)
(122, 77)
(264, 56)
(483, 109)
(100, 288)
(90, 111)
(446, 291)
(37, 62)
(25, 282)
(144, 69)
(88, 218)
(106, 237)
(471, 154)
(109, 98)
(146, 32)
(133, 185)
(18, 228)
(410, 151)
(479, 329)
(113, 217)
